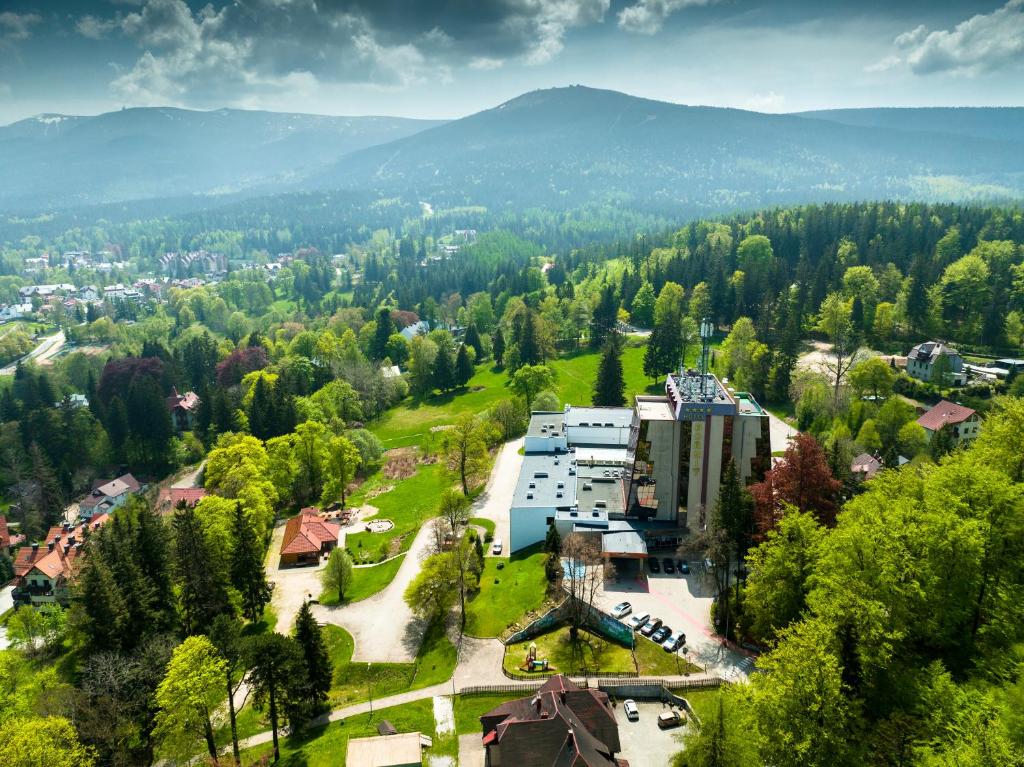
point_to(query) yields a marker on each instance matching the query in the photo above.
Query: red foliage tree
(404, 319)
(801, 479)
(239, 363)
(118, 376)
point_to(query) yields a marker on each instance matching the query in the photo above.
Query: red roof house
(170, 497)
(307, 537)
(561, 724)
(43, 573)
(183, 409)
(8, 541)
(963, 422)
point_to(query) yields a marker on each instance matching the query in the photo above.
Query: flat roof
(555, 468)
(609, 456)
(629, 544)
(655, 408)
(747, 404)
(599, 416)
(385, 751)
(600, 487)
(544, 424)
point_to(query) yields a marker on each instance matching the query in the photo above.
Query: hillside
(566, 147)
(999, 123)
(59, 161)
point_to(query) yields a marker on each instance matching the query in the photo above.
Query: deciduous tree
(188, 695)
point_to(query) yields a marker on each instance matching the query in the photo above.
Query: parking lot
(643, 743)
(684, 603)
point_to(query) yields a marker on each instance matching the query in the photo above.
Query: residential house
(922, 359)
(88, 293)
(560, 724)
(183, 409)
(307, 537)
(418, 328)
(43, 573)
(962, 422)
(108, 496)
(865, 466)
(14, 311)
(8, 540)
(171, 497)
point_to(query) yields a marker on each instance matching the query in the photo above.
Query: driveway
(496, 500)
(779, 433)
(643, 743)
(684, 603)
(292, 585)
(190, 478)
(383, 626)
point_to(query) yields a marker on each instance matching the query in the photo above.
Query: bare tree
(834, 320)
(584, 578)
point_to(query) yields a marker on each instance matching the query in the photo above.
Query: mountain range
(560, 148)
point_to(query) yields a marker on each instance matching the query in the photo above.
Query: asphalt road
(47, 348)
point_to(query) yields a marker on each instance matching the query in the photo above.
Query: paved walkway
(495, 501)
(6, 603)
(383, 626)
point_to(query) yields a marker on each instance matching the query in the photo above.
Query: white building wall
(745, 431)
(545, 444)
(598, 435)
(529, 525)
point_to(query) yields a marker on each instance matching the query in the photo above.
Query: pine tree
(498, 346)
(117, 422)
(463, 367)
(277, 678)
(604, 318)
(473, 340)
(201, 595)
(526, 341)
(610, 386)
(261, 411)
(443, 373)
(247, 573)
(553, 541)
(385, 327)
(99, 607)
(314, 652)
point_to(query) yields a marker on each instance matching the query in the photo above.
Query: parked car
(654, 565)
(651, 626)
(496, 546)
(632, 712)
(674, 642)
(669, 719)
(637, 621)
(621, 610)
(669, 566)
(663, 633)
(684, 567)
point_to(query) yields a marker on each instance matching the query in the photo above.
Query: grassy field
(412, 501)
(521, 586)
(355, 682)
(588, 653)
(652, 660)
(328, 746)
(410, 422)
(486, 524)
(469, 709)
(366, 581)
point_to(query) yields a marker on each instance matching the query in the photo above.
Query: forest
(890, 610)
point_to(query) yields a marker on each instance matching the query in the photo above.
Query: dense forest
(892, 610)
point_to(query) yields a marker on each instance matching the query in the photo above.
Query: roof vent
(556, 462)
(558, 495)
(584, 423)
(561, 484)
(587, 486)
(595, 513)
(574, 513)
(533, 485)
(600, 504)
(572, 472)
(529, 496)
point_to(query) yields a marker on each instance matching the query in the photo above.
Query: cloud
(646, 17)
(246, 48)
(485, 63)
(884, 65)
(766, 102)
(18, 26)
(982, 43)
(94, 28)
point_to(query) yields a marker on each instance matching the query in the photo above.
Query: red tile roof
(187, 401)
(170, 497)
(944, 413)
(62, 546)
(306, 533)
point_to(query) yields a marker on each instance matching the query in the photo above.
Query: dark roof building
(561, 724)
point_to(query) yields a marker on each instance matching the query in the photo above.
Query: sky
(449, 58)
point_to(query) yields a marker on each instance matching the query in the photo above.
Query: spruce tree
(314, 652)
(202, 595)
(529, 349)
(261, 411)
(247, 573)
(553, 541)
(610, 386)
(100, 612)
(498, 346)
(463, 367)
(604, 317)
(443, 372)
(473, 339)
(385, 327)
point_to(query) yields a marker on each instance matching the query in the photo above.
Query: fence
(500, 688)
(543, 675)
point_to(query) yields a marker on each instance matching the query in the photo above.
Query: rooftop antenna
(707, 329)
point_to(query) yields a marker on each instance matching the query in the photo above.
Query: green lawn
(486, 524)
(328, 746)
(410, 421)
(355, 682)
(412, 501)
(469, 709)
(366, 581)
(652, 660)
(521, 587)
(700, 701)
(589, 653)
